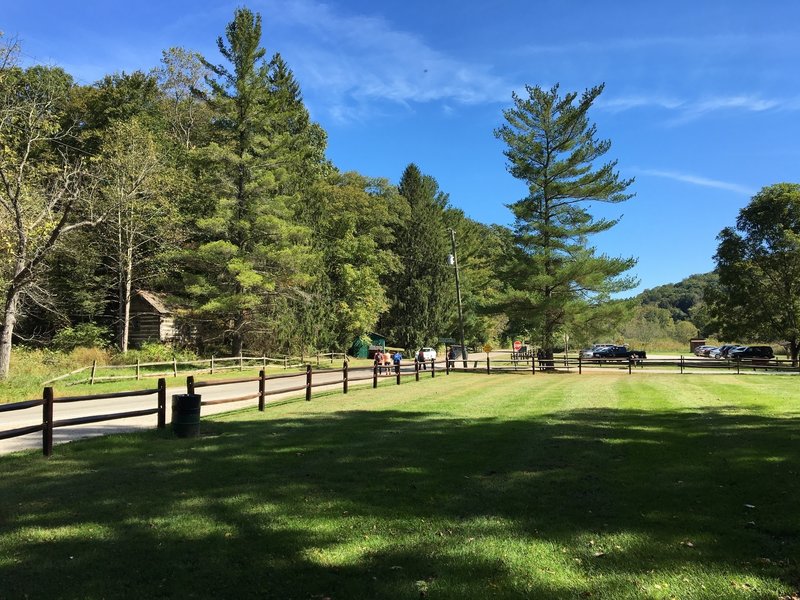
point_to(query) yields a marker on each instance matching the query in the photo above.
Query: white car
(427, 353)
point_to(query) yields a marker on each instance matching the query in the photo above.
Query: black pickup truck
(619, 352)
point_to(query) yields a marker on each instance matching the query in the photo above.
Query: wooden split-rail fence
(513, 364)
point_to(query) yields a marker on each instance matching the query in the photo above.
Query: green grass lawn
(463, 486)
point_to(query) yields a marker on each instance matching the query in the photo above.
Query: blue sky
(701, 103)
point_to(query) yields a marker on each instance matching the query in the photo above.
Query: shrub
(87, 335)
(154, 352)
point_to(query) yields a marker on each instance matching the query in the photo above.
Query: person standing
(421, 359)
(379, 361)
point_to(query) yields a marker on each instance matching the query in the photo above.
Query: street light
(453, 260)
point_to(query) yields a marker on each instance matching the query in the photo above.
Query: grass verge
(467, 486)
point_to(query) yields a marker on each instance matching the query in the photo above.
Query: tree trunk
(126, 313)
(9, 321)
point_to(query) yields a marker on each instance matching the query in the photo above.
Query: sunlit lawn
(464, 486)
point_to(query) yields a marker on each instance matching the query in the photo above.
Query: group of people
(385, 360)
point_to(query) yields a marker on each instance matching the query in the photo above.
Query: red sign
(517, 345)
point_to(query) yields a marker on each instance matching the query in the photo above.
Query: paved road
(33, 416)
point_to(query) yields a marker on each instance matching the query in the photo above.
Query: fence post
(738, 360)
(447, 365)
(318, 360)
(681, 364)
(174, 367)
(91, 377)
(240, 361)
(308, 383)
(375, 376)
(190, 384)
(138, 371)
(344, 377)
(162, 403)
(533, 365)
(580, 365)
(488, 366)
(262, 388)
(47, 422)
(285, 362)
(416, 369)
(263, 361)
(433, 368)
(212, 364)
(397, 371)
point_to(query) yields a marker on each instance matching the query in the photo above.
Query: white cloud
(689, 110)
(697, 180)
(353, 61)
(623, 103)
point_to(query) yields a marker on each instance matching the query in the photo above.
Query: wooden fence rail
(175, 367)
(49, 423)
(493, 365)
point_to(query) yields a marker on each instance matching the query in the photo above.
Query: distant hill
(679, 298)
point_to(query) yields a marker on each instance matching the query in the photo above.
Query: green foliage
(480, 250)
(758, 263)
(684, 300)
(251, 253)
(86, 335)
(352, 218)
(421, 296)
(553, 279)
(153, 352)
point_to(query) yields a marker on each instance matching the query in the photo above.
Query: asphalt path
(71, 410)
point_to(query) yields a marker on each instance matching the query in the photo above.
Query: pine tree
(554, 278)
(420, 296)
(254, 250)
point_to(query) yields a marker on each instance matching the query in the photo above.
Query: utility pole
(458, 297)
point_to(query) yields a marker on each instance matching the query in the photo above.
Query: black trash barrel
(186, 415)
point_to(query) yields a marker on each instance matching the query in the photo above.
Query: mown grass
(463, 486)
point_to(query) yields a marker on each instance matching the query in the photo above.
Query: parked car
(427, 353)
(726, 353)
(589, 352)
(701, 350)
(722, 351)
(747, 352)
(619, 352)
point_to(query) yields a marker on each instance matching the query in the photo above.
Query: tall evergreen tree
(253, 248)
(554, 278)
(420, 295)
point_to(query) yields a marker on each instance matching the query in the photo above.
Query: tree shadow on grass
(392, 504)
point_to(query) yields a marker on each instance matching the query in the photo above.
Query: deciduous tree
(758, 262)
(45, 189)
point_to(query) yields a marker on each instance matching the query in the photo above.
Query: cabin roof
(153, 300)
